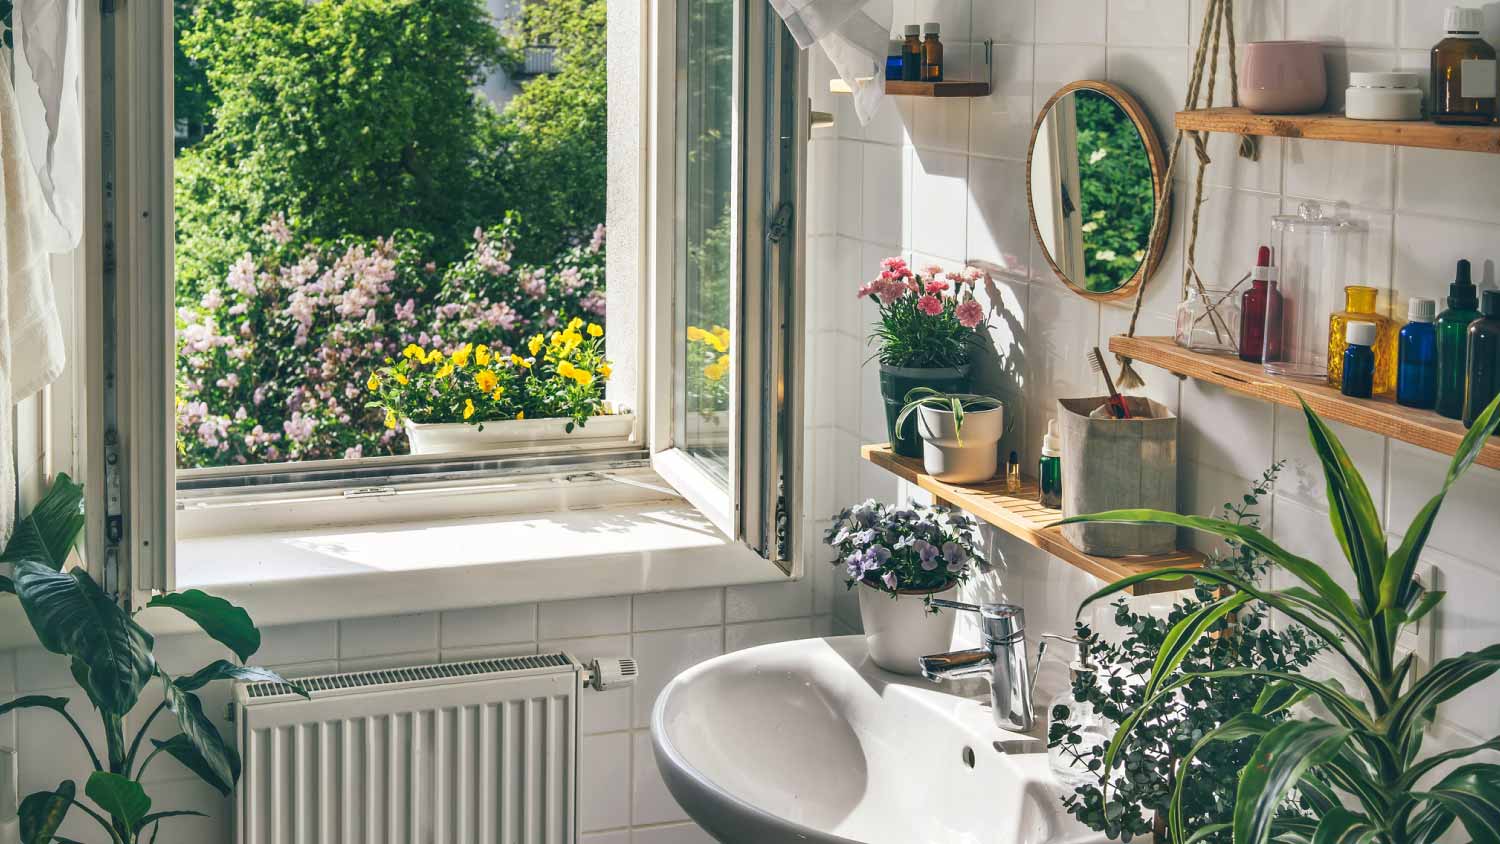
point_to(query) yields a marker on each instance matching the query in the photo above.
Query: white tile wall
(1424, 209)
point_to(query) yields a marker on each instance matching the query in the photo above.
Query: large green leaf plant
(111, 660)
(1358, 765)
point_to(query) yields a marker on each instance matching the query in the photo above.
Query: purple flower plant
(893, 549)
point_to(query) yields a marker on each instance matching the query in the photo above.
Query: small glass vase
(1208, 321)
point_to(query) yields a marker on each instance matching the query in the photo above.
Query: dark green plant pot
(897, 381)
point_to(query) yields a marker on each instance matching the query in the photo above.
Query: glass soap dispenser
(1317, 254)
(1359, 306)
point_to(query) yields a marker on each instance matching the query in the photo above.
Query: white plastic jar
(1383, 96)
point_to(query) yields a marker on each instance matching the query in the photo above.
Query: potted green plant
(1101, 698)
(926, 334)
(960, 433)
(1358, 766)
(112, 661)
(474, 398)
(901, 558)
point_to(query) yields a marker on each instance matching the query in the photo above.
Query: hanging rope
(1218, 17)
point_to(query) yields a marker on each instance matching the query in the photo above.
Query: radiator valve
(607, 674)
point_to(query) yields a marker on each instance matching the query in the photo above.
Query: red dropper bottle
(1260, 312)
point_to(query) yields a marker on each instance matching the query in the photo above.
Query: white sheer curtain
(854, 34)
(48, 58)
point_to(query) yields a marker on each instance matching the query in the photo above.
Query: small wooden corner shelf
(939, 90)
(1022, 517)
(1381, 414)
(1335, 127)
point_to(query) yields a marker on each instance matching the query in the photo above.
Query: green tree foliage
(1118, 194)
(351, 117)
(546, 154)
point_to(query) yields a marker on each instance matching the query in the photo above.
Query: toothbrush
(1117, 406)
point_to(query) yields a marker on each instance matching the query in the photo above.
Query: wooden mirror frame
(1154, 153)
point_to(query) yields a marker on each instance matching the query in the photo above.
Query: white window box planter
(517, 435)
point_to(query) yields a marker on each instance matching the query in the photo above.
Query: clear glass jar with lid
(1319, 254)
(1208, 320)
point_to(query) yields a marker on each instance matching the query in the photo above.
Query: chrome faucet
(1003, 657)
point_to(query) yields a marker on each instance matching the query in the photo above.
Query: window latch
(781, 222)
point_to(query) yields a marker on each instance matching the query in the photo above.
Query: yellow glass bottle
(1359, 306)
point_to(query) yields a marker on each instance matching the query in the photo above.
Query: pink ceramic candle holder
(1283, 77)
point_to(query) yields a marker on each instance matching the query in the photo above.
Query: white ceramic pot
(900, 630)
(515, 435)
(974, 457)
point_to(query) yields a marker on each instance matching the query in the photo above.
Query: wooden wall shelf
(922, 89)
(1334, 127)
(1381, 415)
(1022, 517)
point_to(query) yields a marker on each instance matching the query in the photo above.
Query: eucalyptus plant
(111, 660)
(1140, 790)
(1358, 766)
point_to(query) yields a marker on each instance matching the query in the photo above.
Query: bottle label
(1478, 79)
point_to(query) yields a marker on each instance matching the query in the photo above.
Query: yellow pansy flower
(520, 414)
(527, 362)
(724, 361)
(714, 372)
(595, 330)
(461, 355)
(715, 343)
(565, 369)
(696, 334)
(390, 418)
(401, 379)
(605, 369)
(374, 383)
(468, 408)
(435, 356)
(445, 371)
(482, 354)
(575, 323)
(412, 350)
(582, 376)
(499, 391)
(486, 380)
(535, 344)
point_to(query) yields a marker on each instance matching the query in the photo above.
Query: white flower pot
(974, 458)
(900, 630)
(515, 435)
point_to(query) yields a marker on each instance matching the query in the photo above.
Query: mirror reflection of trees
(1117, 194)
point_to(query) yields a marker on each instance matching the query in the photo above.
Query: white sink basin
(810, 742)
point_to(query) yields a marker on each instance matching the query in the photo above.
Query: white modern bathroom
(880, 421)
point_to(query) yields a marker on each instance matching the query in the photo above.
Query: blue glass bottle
(1416, 367)
(893, 61)
(1359, 360)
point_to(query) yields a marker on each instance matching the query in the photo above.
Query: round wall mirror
(1095, 171)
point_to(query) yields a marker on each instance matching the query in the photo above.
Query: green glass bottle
(1049, 473)
(1484, 358)
(1452, 328)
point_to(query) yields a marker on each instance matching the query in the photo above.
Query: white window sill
(321, 574)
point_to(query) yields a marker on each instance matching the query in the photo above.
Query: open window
(274, 250)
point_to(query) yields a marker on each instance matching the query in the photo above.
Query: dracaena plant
(111, 660)
(1358, 768)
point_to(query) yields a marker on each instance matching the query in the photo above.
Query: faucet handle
(956, 605)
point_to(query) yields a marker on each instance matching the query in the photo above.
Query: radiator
(482, 752)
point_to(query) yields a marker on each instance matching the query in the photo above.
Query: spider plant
(1359, 768)
(955, 403)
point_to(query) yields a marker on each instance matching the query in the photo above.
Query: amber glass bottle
(932, 53)
(911, 54)
(1359, 306)
(1463, 71)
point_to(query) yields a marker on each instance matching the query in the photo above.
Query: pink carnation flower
(970, 313)
(937, 286)
(930, 305)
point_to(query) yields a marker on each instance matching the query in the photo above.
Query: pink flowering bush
(927, 318)
(273, 359)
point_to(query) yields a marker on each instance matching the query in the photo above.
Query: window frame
(130, 427)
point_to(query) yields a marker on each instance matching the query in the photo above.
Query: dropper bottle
(1260, 310)
(1049, 473)
(1452, 328)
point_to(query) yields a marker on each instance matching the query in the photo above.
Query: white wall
(945, 180)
